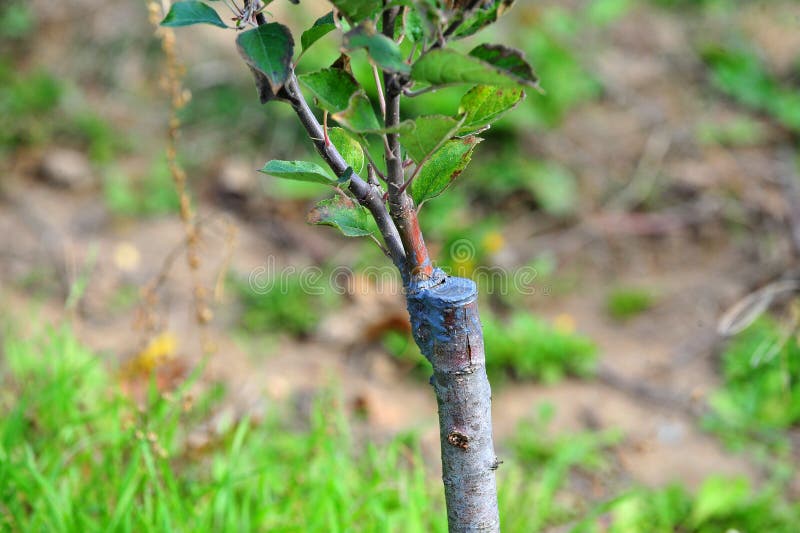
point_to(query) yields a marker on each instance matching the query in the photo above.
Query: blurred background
(646, 381)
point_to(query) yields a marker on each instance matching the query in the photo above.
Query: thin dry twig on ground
(179, 96)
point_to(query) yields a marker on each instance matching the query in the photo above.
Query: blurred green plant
(556, 460)
(529, 348)
(740, 131)
(759, 398)
(76, 455)
(623, 303)
(721, 504)
(287, 305)
(535, 445)
(33, 112)
(739, 72)
(152, 195)
(551, 186)
(725, 5)
(16, 20)
(26, 104)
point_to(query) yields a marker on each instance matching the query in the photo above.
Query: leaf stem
(379, 87)
(420, 92)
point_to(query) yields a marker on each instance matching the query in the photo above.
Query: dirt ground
(656, 369)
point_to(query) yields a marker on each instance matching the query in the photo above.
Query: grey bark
(447, 328)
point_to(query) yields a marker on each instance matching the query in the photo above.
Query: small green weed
(741, 74)
(33, 112)
(153, 195)
(552, 186)
(624, 303)
(740, 131)
(535, 445)
(16, 20)
(27, 102)
(529, 348)
(721, 504)
(555, 460)
(288, 304)
(759, 398)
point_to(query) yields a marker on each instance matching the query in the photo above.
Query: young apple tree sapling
(409, 47)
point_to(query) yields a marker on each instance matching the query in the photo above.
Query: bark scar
(458, 439)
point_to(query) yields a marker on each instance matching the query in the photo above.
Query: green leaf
(332, 87)
(338, 92)
(413, 25)
(349, 148)
(322, 27)
(425, 134)
(298, 171)
(507, 60)
(492, 65)
(357, 10)
(484, 104)
(383, 51)
(359, 117)
(344, 214)
(482, 18)
(188, 13)
(268, 49)
(442, 168)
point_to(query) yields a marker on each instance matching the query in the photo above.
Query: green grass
(738, 132)
(720, 505)
(289, 304)
(624, 303)
(152, 194)
(741, 74)
(78, 456)
(530, 348)
(35, 110)
(759, 398)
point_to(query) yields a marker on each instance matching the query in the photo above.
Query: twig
(374, 165)
(370, 196)
(367, 195)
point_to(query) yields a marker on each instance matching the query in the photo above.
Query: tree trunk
(447, 328)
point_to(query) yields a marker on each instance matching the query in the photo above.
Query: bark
(447, 328)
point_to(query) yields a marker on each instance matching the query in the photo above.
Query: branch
(370, 196)
(401, 207)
